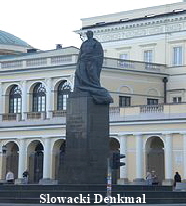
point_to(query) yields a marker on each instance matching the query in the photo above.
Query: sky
(45, 23)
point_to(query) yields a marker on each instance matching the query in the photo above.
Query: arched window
(39, 98)
(62, 95)
(15, 100)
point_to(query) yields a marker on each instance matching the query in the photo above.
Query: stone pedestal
(87, 141)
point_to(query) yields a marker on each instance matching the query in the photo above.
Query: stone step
(86, 187)
(31, 193)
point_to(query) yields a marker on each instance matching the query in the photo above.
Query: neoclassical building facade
(144, 71)
(153, 132)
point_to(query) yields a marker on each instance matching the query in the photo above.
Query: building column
(168, 160)
(72, 80)
(22, 162)
(1, 98)
(184, 158)
(24, 100)
(139, 159)
(48, 97)
(2, 163)
(47, 159)
(47, 164)
(123, 169)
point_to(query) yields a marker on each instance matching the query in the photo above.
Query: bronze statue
(87, 75)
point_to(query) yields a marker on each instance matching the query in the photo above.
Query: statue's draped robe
(87, 75)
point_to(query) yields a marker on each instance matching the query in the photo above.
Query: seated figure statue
(87, 75)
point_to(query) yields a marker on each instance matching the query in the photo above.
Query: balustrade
(59, 113)
(64, 59)
(35, 115)
(160, 111)
(11, 117)
(151, 108)
(61, 59)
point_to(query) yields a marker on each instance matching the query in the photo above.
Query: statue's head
(89, 34)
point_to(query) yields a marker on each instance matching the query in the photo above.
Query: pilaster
(184, 157)
(168, 160)
(48, 97)
(139, 159)
(24, 100)
(22, 163)
(47, 162)
(1, 97)
(123, 170)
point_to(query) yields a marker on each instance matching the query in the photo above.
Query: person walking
(10, 177)
(25, 176)
(149, 178)
(154, 178)
(177, 178)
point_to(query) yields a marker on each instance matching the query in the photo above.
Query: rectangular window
(148, 56)
(124, 101)
(176, 99)
(124, 56)
(124, 64)
(177, 56)
(152, 101)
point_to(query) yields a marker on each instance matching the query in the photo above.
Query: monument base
(87, 141)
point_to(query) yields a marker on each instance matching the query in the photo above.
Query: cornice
(147, 26)
(136, 23)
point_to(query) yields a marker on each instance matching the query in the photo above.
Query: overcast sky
(45, 23)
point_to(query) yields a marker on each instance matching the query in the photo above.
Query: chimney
(31, 51)
(58, 46)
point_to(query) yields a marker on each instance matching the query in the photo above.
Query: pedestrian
(149, 178)
(10, 177)
(177, 178)
(25, 176)
(154, 178)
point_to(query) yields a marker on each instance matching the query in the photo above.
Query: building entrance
(35, 162)
(155, 157)
(12, 158)
(114, 147)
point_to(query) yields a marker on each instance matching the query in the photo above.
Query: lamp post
(165, 80)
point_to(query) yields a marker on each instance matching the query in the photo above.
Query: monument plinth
(87, 141)
(87, 126)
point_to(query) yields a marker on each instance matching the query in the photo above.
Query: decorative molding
(141, 28)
